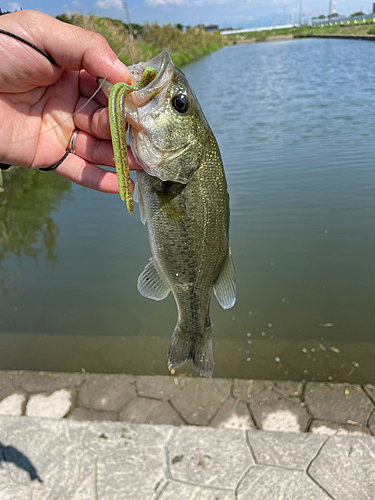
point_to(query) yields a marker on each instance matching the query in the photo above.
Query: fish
(183, 197)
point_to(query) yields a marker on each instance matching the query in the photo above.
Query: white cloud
(155, 3)
(14, 6)
(108, 4)
(76, 4)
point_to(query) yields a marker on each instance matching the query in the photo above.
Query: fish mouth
(163, 64)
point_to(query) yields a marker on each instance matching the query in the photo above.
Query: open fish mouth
(163, 65)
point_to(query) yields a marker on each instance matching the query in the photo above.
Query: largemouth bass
(183, 197)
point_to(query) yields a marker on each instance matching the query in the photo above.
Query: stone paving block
(102, 437)
(370, 389)
(33, 446)
(107, 392)
(150, 411)
(4, 476)
(263, 391)
(124, 476)
(64, 480)
(329, 428)
(15, 492)
(181, 491)
(283, 449)
(48, 381)
(12, 405)
(8, 384)
(159, 386)
(345, 467)
(233, 414)
(282, 415)
(55, 405)
(199, 399)
(371, 422)
(263, 483)
(209, 457)
(341, 403)
(88, 414)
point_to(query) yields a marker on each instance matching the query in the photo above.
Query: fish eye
(180, 103)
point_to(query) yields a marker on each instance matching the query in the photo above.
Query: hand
(38, 99)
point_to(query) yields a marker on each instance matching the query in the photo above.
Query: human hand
(38, 99)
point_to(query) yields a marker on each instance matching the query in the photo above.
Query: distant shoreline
(279, 38)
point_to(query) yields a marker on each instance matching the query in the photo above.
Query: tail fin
(199, 349)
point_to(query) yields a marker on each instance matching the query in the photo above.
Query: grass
(150, 39)
(367, 28)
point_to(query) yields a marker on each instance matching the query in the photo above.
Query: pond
(295, 126)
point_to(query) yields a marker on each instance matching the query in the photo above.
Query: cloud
(14, 6)
(108, 4)
(76, 4)
(156, 3)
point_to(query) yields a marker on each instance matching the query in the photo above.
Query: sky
(235, 13)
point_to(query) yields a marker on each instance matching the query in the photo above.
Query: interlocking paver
(278, 449)
(8, 385)
(47, 381)
(13, 492)
(371, 391)
(159, 386)
(233, 414)
(341, 403)
(282, 415)
(103, 437)
(199, 399)
(182, 491)
(12, 404)
(55, 405)
(209, 457)
(263, 391)
(38, 444)
(125, 476)
(88, 414)
(65, 480)
(329, 428)
(264, 483)
(150, 411)
(345, 467)
(107, 392)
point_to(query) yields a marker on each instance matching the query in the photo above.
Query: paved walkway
(209, 447)
(46, 459)
(222, 403)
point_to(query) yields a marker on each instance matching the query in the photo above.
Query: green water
(295, 125)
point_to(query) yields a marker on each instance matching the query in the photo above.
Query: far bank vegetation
(184, 46)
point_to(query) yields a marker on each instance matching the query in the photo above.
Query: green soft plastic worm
(117, 121)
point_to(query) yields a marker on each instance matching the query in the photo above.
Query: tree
(360, 13)
(322, 16)
(179, 26)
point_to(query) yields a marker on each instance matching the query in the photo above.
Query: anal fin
(151, 284)
(225, 285)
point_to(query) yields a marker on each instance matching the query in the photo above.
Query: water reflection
(27, 228)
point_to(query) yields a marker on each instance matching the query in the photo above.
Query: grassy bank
(359, 29)
(150, 39)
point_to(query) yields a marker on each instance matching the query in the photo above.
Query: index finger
(70, 46)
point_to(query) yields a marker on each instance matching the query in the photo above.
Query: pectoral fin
(151, 284)
(138, 197)
(225, 285)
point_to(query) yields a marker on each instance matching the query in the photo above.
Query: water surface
(295, 126)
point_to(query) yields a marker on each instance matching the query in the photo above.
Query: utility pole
(300, 12)
(330, 9)
(128, 19)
